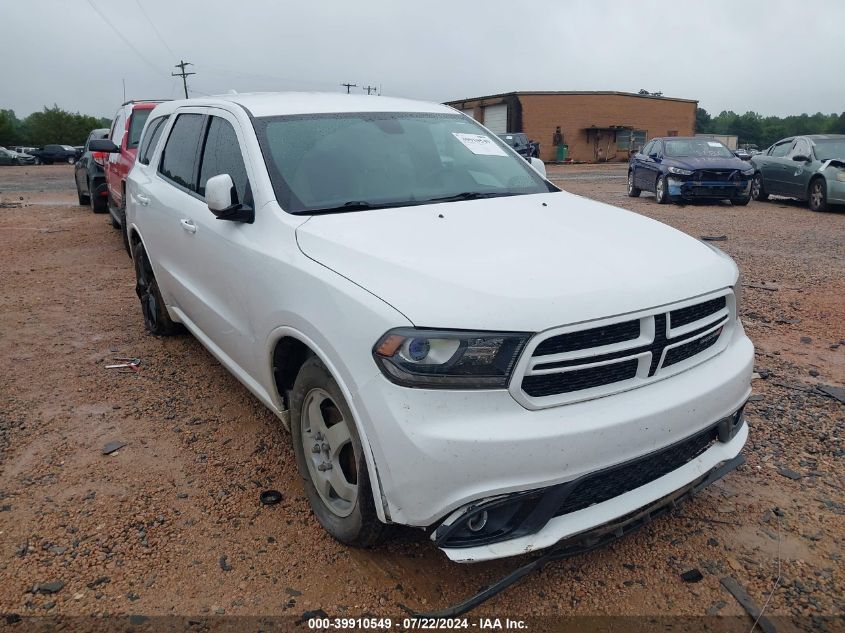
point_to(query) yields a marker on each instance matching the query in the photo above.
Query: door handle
(188, 225)
(144, 200)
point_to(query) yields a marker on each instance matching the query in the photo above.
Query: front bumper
(688, 188)
(438, 451)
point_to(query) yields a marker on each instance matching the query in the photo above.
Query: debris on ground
(270, 497)
(113, 446)
(714, 238)
(692, 575)
(747, 603)
(834, 392)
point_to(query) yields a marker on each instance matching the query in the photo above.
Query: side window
(657, 148)
(136, 126)
(150, 140)
(222, 155)
(179, 158)
(802, 148)
(648, 148)
(118, 128)
(779, 151)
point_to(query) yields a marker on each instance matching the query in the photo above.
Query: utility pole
(369, 89)
(183, 74)
(348, 86)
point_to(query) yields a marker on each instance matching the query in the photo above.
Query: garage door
(469, 112)
(496, 118)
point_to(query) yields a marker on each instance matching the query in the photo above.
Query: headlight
(448, 359)
(748, 172)
(680, 172)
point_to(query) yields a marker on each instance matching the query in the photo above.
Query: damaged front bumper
(524, 522)
(688, 187)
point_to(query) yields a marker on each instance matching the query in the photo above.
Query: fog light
(477, 522)
(729, 426)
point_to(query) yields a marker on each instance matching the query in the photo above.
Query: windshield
(830, 148)
(697, 147)
(353, 161)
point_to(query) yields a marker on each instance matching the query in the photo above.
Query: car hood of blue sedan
(705, 162)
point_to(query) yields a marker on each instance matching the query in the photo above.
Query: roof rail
(144, 101)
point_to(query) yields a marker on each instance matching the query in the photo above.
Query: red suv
(125, 135)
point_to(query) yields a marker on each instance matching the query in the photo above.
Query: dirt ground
(171, 523)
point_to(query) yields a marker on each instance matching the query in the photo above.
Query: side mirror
(102, 145)
(222, 200)
(539, 166)
(653, 156)
(801, 158)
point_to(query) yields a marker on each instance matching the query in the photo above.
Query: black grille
(707, 175)
(578, 379)
(688, 350)
(585, 339)
(691, 314)
(623, 478)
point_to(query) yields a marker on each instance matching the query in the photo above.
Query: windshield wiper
(472, 195)
(352, 205)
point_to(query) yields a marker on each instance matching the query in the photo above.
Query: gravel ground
(171, 524)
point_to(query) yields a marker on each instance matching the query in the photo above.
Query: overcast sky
(774, 57)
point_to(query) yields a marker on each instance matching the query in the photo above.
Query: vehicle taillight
(99, 157)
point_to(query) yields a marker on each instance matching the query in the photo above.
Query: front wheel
(757, 190)
(330, 459)
(633, 192)
(661, 192)
(38, 161)
(818, 195)
(71, 160)
(156, 319)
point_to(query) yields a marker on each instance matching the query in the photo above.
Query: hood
(706, 162)
(522, 263)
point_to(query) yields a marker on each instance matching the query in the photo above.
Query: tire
(114, 223)
(71, 160)
(38, 161)
(98, 205)
(758, 192)
(661, 190)
(344, 508)
(18, 162)
(817, 195)
(740, 202)
(84, 200)
(156, 319)
(124, 230)
(633, 192)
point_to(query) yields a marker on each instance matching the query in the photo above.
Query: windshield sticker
(713, 144)
(479, 144)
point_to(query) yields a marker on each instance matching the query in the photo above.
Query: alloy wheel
(329, 453)
(660, 193)
(816, 195)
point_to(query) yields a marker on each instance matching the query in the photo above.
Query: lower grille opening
(623, 478)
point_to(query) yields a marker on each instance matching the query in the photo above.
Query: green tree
(838, 124)
(54, 125)
(702, 121)
(10, 128)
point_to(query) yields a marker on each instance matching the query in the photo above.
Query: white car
(453, 342)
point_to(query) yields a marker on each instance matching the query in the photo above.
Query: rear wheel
(757, 190)
(330, 459)
(818, 195)
(156, 319)
(633, 192)
(661, 192)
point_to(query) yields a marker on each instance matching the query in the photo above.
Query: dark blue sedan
(679, 168)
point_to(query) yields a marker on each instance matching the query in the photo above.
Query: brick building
(597, 126)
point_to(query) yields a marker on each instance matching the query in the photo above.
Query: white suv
(453, 342)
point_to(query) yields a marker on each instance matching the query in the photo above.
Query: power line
(125, 40)
(184, 75)
(155, 30)
(369, 89)
(348, 86)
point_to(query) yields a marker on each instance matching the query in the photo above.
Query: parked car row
(493, 390)
(522, 145)
(808, 168)
(13, 157)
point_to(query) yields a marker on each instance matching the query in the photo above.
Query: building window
(672, 133)
(630, 139)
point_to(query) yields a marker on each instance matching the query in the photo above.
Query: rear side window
(150, 140)
(222, 155)
(117, 128)
(179, 159)
(782, 149)
(136, 126)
